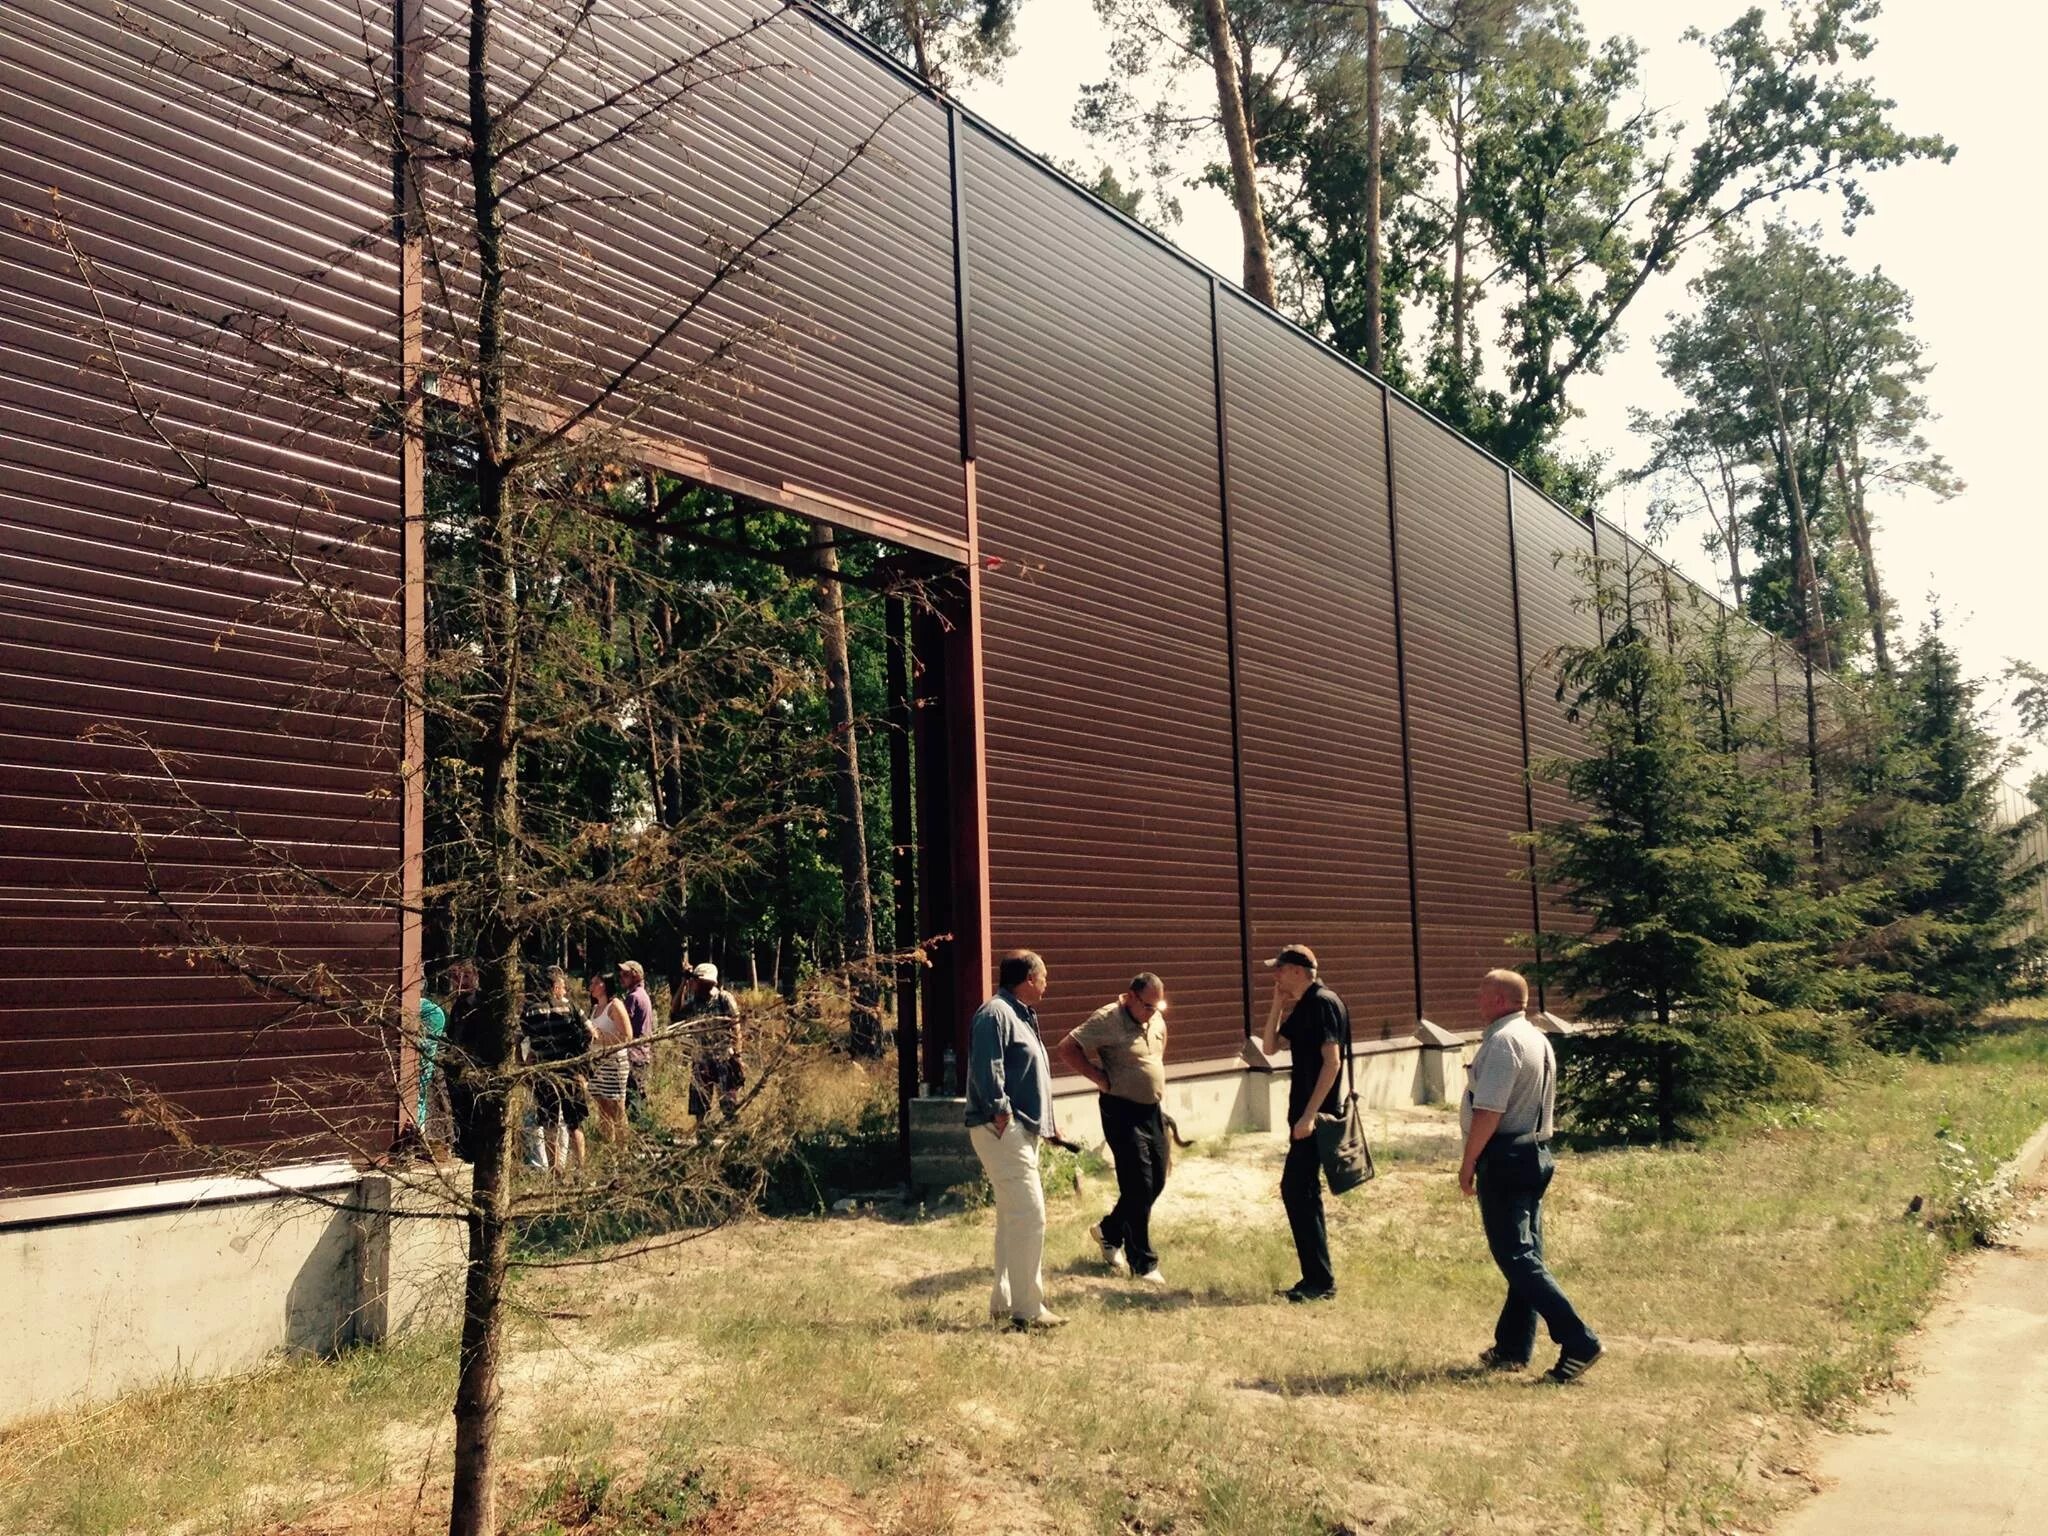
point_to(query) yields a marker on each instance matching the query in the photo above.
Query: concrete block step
(944, 1172)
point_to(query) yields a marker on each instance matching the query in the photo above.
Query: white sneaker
(1112, 1253)
(1152, 1276)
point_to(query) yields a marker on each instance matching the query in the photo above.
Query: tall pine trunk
(1866, 560)
(1375, 260)
(858, 900)
(1244, 173)
(1807, 577)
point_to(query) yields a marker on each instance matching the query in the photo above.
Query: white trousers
(1011, 1162)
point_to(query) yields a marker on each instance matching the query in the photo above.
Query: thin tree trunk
(473, 1506)
(858, 903)
(1807, 575)
(1244, 175)
(785, 893)
(1732, 535)
(664, 760)
(1667, 1078)
(1815, 647)
(1866, 558)
(1375, 260)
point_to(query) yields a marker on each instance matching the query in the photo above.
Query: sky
(1948, 234)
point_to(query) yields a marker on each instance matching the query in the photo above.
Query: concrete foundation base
(130, 1289)
(1206, 1098)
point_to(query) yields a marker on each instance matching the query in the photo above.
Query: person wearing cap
(1508, 1115)
(1121, 1049)
(640, 1054)
(1313, 1021)
(711, 1022)
(1009, 1110)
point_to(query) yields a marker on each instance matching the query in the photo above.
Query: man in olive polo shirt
(1121, 1049)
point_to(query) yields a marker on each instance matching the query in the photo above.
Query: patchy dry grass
(835, 1375)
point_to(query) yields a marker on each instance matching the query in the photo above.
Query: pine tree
(1703, 941)
(1956, 893)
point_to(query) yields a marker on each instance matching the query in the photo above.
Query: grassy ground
(836, 1375)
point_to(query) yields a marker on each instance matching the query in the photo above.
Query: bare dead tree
(522, 387)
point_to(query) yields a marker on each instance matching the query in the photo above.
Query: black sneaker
(1493, 1360)
(1301, 1293)
(1571, 1367)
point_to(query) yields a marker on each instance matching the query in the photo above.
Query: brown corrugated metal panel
(1552, 553)
(846, 381)
(1326, 828)
(1464, 710)
(123, 603)
(1112, 804)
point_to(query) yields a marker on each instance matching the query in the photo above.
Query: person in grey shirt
(1508, 1114)
(1009, 1109)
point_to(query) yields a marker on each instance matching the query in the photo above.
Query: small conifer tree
(1702, 941)
(1960, 906)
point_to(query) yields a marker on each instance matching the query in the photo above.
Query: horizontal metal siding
(1553, 550)
(1464, 710)
(122, 604)
(1326, 830)
(1112, 814)
(830, 364)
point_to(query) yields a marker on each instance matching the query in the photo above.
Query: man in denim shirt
(1009, 1108)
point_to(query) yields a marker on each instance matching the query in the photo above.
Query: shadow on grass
(1402, 1377)
(943, 1283)
(1167, 1300)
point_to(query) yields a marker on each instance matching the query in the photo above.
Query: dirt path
(1960, 1453)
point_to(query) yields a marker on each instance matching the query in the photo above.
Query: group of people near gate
(1507, 1118)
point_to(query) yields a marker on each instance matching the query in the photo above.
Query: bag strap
(1350, 1068)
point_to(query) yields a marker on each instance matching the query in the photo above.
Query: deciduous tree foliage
(946, 42)
(1804, 390)
(1523, 187)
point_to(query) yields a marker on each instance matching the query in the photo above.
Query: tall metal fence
(1261, 644)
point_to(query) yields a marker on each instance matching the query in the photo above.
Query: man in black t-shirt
(1312, 1020)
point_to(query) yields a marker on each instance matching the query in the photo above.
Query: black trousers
(1301, 1191)
(1136, 1134)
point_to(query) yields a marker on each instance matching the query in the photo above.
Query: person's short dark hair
(1143, 982)
(1018, 967)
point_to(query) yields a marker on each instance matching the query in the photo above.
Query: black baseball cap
(1294, 954)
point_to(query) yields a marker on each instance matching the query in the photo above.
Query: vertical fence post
(1401, 691)
(972, 914)
(1244, 902)
(1522, 703)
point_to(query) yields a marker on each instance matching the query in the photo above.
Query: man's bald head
(1502, 992)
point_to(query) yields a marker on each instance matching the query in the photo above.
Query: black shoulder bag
(1340, 1138)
